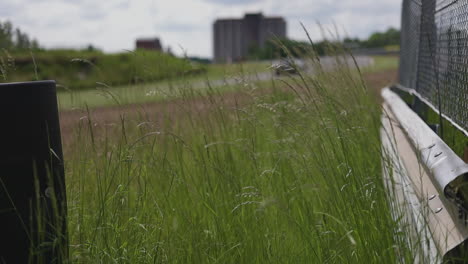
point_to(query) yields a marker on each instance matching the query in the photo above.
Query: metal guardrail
(424, 177)
(435, 154)
(434, 69)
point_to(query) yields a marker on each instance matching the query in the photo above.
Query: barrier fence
(434, 55)
(426, 179)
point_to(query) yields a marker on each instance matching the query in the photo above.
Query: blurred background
(184, 26)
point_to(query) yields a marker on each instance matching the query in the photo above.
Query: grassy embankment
(77, 70)
(290, 176)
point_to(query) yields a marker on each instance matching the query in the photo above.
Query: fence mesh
(434, 54)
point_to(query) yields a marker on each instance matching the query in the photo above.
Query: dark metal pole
(32, 184)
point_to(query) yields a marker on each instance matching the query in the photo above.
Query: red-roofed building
(149, 44)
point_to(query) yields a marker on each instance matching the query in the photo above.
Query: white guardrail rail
(424, 179)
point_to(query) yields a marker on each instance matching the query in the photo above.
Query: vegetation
(225, 77)
(377, 39)
(273, 51)
(75, 70)
(14, 39)
(21, 59)
(283, 171)
(383, 63)
(288, 176)
(282, 48)
(84, 69)
(277, 48)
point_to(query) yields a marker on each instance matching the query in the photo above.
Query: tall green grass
(292, 175)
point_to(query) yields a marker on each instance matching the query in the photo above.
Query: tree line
(14, 39)
(286, 47)
(376, 39)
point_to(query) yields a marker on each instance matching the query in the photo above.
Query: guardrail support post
(32, 184)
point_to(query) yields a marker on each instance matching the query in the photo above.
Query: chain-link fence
(434, 54)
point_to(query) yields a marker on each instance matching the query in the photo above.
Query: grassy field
(236, 74)
(216, 75)
(383, 63)
(292, 175)
(220, 71)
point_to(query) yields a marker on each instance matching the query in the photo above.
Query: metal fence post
(32, 185)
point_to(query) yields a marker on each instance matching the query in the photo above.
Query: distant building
(149, 44)
(233, 38)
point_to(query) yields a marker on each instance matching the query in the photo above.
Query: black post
(32, 184)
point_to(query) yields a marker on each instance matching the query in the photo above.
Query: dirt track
(159, 114)
(378, 80)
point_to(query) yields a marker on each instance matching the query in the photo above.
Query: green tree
(15, 39)
(381, 39)
(6, 35)
(22, 40)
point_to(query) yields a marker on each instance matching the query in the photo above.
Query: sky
(186, 25)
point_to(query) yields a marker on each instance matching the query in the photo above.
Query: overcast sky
(185, 25)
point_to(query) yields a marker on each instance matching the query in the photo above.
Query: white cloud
(114, 25)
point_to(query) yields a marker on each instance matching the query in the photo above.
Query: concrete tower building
(233, 38)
